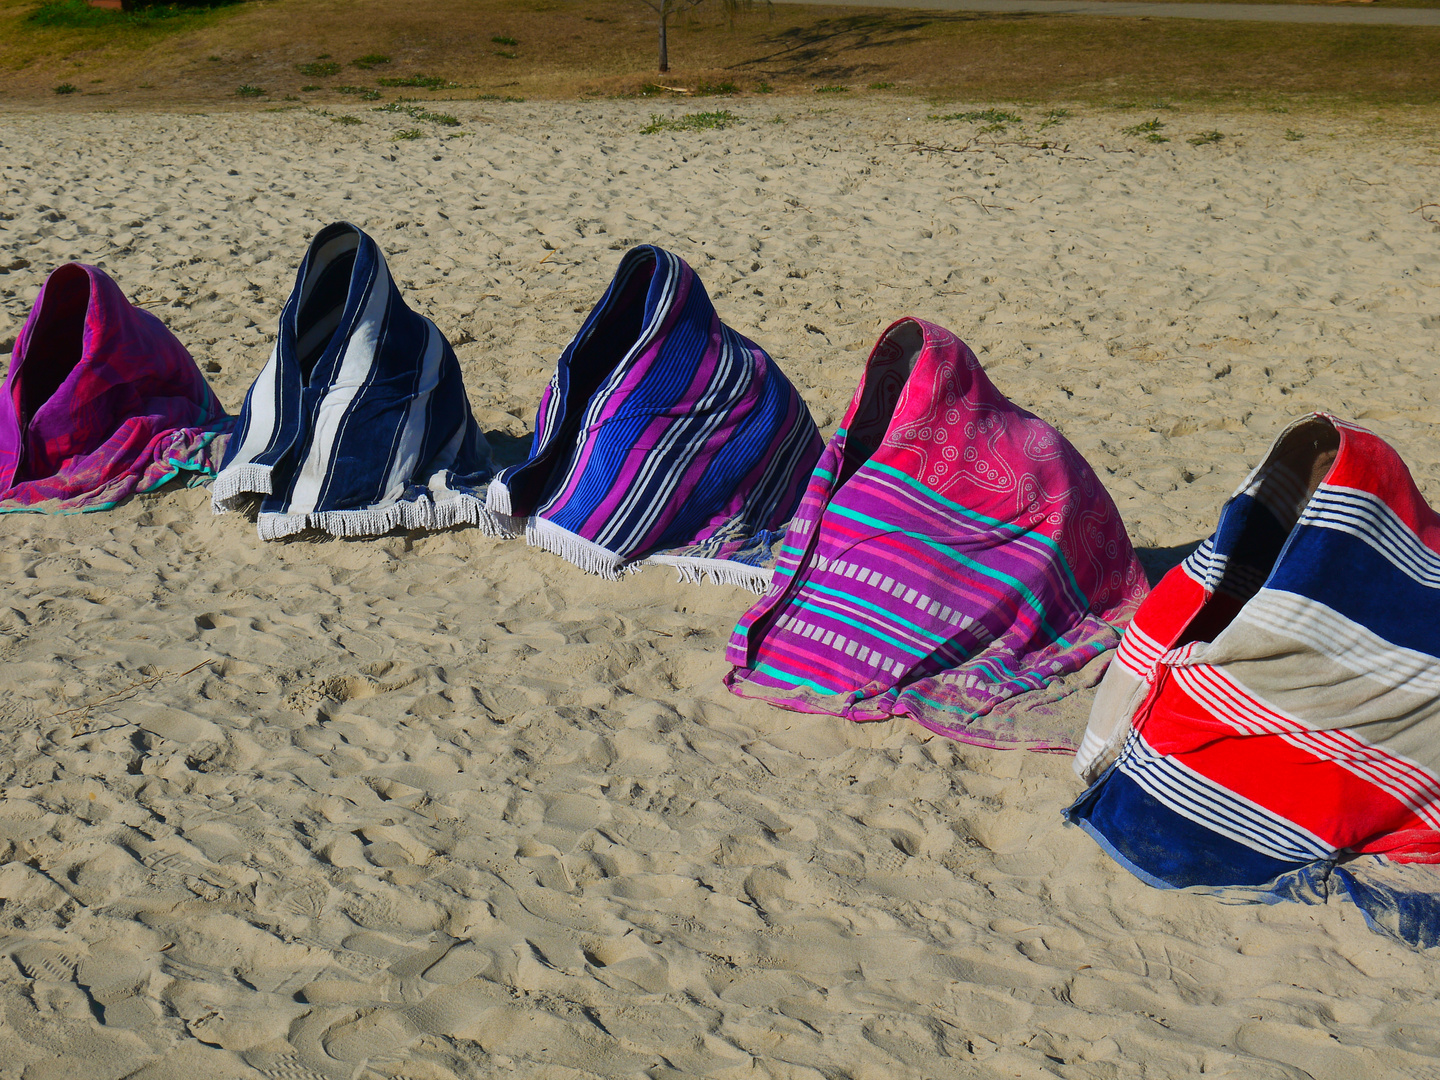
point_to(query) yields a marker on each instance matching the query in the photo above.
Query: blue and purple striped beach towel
(663, 434)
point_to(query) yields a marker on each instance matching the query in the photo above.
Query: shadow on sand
(1159, 561)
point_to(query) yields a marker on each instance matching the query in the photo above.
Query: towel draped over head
(101, 401)
(954, 560)
(359, 422)
(663, 433)
(1276, 702)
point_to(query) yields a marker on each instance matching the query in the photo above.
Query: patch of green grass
(319, 69)
(988, 116)
(409, 133)
(1149, 128)
(701, 121)
(1053, 117)
(311, 88)
(719, 89)
(881, 86)
(507, 55)
(832, 89)
(417, 113)
(496, 97)
(247, 90)
(349, 120)
(66, 88)
(1205, 138)
(501, 39)
(424, 82)
(764, 88)
(370, 60)
(78, 13)
(1291, 135)
(363, 92)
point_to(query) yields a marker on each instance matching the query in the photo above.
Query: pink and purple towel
(954, 560)
(101, 401)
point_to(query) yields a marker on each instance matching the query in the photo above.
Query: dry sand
(443, 806)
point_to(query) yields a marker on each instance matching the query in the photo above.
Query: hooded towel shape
(101, 401)
(663, 433)
(359, 422)
(1276, 702)
(953, 554)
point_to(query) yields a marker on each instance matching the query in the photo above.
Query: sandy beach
(443, 806)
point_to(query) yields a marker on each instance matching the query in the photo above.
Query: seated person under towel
(101, 401)
(954, 560)
(1274, 708)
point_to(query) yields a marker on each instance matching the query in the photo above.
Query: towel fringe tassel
(233, 487)
(585, 554)
(719, 571)
(498, 506)
(416, 514)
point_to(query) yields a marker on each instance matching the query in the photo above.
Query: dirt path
(1301, 13)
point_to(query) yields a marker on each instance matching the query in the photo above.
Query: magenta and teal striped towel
(955, 560)
(101, 401)
(359, 422)
(663, 435)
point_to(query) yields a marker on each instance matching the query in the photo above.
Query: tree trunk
(664, 52)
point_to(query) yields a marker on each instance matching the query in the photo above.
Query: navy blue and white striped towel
(359, 422)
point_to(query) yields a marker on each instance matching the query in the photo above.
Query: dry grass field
(305, 51)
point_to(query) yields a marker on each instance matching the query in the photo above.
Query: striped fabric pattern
(101, 402)
(954, 560)
(359, 422)
(1276, 701)
(663, 434)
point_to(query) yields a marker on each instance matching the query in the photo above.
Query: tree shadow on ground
(794, 50)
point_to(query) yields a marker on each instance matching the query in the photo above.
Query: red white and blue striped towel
(1275, 705)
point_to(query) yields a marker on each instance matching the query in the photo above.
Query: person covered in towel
(358, 423)
(954, 560)
(663, 434)
(1274, 708)
(101, 401)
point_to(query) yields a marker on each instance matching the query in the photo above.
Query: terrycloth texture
(359, 422)
(954, 560)
(1275, 704)
(101, 401)
(662, 431)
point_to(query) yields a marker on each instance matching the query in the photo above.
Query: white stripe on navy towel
(1366, 517)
